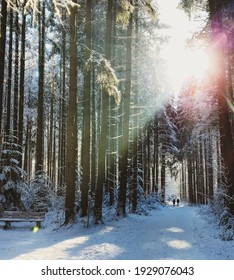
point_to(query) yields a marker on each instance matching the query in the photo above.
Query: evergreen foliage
(124, 11)
(15, 194)
(107, 79)
(42, 192)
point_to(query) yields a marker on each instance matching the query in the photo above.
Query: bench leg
(38, 224)
(7, 225)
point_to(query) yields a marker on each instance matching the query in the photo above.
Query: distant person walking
(174, 202)
(178, 201)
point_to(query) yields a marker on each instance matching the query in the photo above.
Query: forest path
(170, 233)
(174, 234)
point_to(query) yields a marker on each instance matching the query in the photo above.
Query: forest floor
(174, 233)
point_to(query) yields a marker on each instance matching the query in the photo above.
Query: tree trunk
(190, 177)
(9, 78)
(25, 167)
(16, 78)
(136, 117)
(22, 75)
(226, 140)
(71, 154)
(2, 56)
(85, 154)
(155, 157)
(112, 177)
(112, 156)
(121, 208)
(40, 111)
(50, 131)
(163, 176)
(101, 179)
(94, 139)
(62, 152)
(210, 167)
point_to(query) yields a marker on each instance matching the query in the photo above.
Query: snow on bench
(15, 216)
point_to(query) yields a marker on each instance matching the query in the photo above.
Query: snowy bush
(14, 191)
(147, 203)
(26, 195)
(55, 217)
(221, 214)
(217, 205)
(227, 226)
(42, 190)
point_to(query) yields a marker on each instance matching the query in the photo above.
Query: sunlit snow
(170, 233)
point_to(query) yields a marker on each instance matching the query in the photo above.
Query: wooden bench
(15, 216)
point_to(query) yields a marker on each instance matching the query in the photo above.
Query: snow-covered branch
(32, 5)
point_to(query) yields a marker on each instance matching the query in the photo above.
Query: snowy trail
(171, 233)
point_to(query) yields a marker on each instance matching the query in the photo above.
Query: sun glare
(180, 62)
(186, 64)
(197, 63)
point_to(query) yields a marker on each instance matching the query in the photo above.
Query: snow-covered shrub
(13, 190)
(147, 203)
(43, 194)
(217, 205)
(26, 195)
(227, 226)
(55, 217)
(221, 213)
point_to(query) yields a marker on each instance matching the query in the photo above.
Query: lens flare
(35, 229)
(230, 104)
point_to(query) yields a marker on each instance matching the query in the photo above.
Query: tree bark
(101, 179)
(9, 78)
(226, 140)
(121, 208)
(71, 154)
(163, 176)
(16, 77)
(136, 117)
(2, 56)
(86, 140)
(22, 75)
(40, 111)
(94, 139)
(63, 106)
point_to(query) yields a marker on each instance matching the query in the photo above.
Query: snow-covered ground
(169, 233)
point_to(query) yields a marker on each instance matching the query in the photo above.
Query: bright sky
(181, 62)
